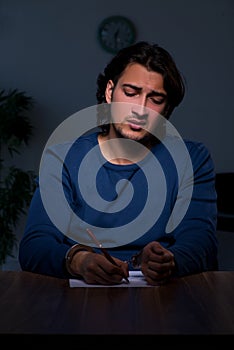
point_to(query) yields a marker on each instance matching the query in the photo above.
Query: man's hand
(157, 263)
(96, 269)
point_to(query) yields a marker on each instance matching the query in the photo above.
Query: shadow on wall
(226, 250)
(225, 201)
(225, 223)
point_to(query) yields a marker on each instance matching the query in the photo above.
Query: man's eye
(128, 93)
(157, 101)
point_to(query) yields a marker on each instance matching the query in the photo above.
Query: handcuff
(72, 252)
(136, 260)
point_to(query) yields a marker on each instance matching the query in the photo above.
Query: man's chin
(137, 136)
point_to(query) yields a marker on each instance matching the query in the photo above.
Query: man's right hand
(94, 268)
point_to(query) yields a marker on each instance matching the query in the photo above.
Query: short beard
(147, 140)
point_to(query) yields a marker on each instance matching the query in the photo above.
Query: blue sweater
(168, 197)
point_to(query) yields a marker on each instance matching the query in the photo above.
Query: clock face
(115, 33)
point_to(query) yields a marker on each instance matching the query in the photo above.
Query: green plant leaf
(15, 126)
(16, 186)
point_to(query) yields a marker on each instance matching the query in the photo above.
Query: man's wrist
(136, 260)
(71, 252)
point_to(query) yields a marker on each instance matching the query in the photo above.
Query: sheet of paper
(136, 279)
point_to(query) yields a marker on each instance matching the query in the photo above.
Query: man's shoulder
(195, 146)
(79, 145)
(89, 138)
(193, 143)
(84, 144)
(200, 154)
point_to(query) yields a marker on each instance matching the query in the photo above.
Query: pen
(104, 251)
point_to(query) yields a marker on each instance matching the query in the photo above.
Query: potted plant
(16, 185)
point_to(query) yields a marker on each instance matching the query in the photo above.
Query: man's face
(144, 98)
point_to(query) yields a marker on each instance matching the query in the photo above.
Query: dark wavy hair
(154, 58)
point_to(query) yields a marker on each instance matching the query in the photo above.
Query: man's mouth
(136, 124)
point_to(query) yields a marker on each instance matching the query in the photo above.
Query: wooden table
(40, 305)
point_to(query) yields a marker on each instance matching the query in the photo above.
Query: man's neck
(120, 150)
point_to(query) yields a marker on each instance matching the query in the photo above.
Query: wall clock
(115, 33)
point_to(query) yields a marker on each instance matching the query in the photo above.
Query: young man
(154, 201)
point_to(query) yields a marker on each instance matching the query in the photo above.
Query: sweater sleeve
(47, 235)
(195, 245)
(43, 246)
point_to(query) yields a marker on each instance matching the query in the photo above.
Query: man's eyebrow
(152, 93)
(157, 93)
(132, 86)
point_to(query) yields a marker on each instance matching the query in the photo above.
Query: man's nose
(140, 107)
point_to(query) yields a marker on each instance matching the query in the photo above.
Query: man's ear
(109, 90)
